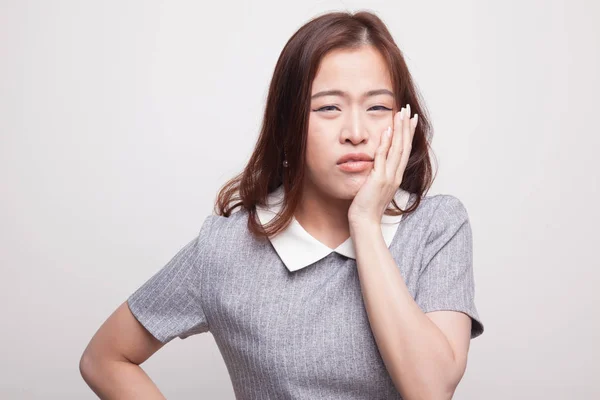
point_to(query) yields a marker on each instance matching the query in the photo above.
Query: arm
(110, 362)
(425, 360)
(166, 306)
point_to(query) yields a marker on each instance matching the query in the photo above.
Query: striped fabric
(300, 330)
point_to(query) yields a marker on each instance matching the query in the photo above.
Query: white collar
(298, 249)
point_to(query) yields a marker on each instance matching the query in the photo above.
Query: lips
(354, 157)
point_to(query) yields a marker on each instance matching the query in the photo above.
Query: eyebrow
(345, 94)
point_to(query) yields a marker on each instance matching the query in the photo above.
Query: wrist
(363, 225)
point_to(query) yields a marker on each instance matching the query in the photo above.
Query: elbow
(443, 393)
(86, 366)
(91, 365)
(447, 394)
(450, 386)
(95, 371)
(433, 390)
(428, 391)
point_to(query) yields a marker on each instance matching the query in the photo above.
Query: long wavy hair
(285, 123)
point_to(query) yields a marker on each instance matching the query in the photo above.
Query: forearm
(416, 353)
(119, 380)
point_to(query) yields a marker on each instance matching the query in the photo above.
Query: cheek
(317, 150)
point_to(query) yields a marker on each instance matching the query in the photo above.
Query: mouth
(354, 157)
(353, 161)
(355, 166)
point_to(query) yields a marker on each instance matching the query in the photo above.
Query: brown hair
(284, 128)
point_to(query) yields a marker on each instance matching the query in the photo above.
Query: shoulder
(448, 208)
(228, 243)
(440, 209)
(217, 228)
(438, 216)
(447, 217)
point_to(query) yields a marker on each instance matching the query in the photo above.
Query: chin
(348, 188)
(341, 188)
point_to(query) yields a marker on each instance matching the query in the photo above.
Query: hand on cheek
(389, 165)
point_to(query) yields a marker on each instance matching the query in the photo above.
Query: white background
(120, 120)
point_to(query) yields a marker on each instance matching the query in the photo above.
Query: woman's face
(346, 118)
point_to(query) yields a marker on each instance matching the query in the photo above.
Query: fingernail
(388, 131)
(402, 113)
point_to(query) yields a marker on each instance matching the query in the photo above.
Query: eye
(381, 108)
(333, 108)
(326, 108)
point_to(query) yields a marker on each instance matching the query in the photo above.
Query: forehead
(353, 70)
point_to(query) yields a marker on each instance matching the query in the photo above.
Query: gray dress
(299, 330)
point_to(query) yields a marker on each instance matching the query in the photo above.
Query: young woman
(336, 277)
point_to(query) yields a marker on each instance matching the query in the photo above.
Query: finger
(382, 150)
(393, 158)
(405, 143)
(406, 127)
(408, 134)
(414, 122)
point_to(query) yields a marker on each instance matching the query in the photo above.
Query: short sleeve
(169, 304)
(446, 280)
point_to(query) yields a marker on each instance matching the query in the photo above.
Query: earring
(285, 162)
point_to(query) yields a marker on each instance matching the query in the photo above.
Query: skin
(425, 353)
(340, 124)
(110, 362)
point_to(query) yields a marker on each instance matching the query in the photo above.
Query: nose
(354, 127)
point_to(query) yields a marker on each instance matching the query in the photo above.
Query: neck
(323, 217)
